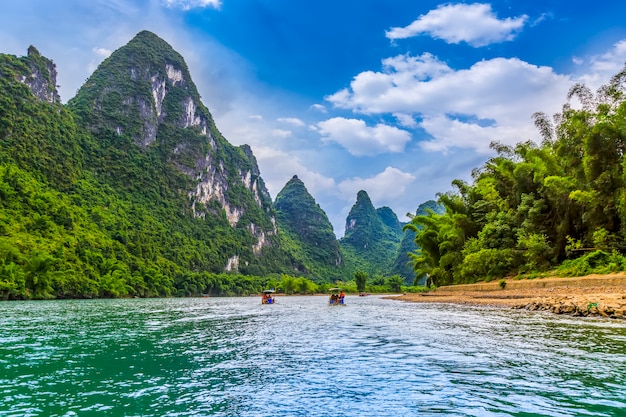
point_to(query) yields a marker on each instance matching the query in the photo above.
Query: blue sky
(394, 97)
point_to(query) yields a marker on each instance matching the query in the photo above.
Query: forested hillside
(131, 190)
(307, 234)
(372, 238)
(536, 207)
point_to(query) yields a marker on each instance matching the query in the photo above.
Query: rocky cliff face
(39, 74)
(142, 97)
(36, 130)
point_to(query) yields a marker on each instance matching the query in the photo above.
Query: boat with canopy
(267, 297)
(337, 297)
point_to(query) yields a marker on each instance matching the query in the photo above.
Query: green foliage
(595, 262)
(306, 233)
(537, 251)
(102, 197)
(395, 283)
(288, 283)
(360, 277)
(95, 196)
(292, 285)
(414, 289)
(372, 238)
(35, 135)
(402, 264)
(531, 207)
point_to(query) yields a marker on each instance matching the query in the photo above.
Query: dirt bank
(592, 295)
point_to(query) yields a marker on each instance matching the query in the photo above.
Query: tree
(39, 270)
(395, 283)
(360, 278)
(288, 283)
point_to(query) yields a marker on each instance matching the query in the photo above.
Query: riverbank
(592, 295)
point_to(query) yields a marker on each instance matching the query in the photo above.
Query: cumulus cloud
(192, 4)
(449, 132)
(360, 139)
(475, 24)
(405, 120)
(505, 91)
(291, 120)
(278, 166)
(378, 186)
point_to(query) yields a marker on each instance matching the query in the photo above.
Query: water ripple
(299, 357)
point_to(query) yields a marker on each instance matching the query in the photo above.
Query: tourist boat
(267, 297)
(336, 297)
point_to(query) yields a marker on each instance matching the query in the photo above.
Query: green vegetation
(307, 234)
(402, 264)
(534, 208)
(372, 238)
(100, 198)
(97, 197)
(360, 279)
(125, 194)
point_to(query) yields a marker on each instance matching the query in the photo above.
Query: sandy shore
(593, 295)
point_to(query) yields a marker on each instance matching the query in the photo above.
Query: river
(300, 357)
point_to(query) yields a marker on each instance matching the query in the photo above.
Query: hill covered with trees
(131, 190)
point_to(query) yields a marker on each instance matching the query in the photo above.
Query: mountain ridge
(144, 196)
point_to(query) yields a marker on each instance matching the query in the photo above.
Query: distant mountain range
(130, 188)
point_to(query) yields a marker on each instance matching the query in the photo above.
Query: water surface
(300, 357)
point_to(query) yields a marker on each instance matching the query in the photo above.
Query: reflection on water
(299, 357)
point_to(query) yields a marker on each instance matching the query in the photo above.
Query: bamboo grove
(537, 207)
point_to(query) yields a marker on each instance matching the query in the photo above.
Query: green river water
(300, 357)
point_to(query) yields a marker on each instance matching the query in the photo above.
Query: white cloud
(475, 24)
(379, 187)
(320, 108)
(543, 17)
(360, 139)
(496, 98)
(405, 120)
(281, 133)
(192, 4)
(102, 52)
(278, 166)
(450, 133)
(376, 92)
(291, 120)
(603, 67)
